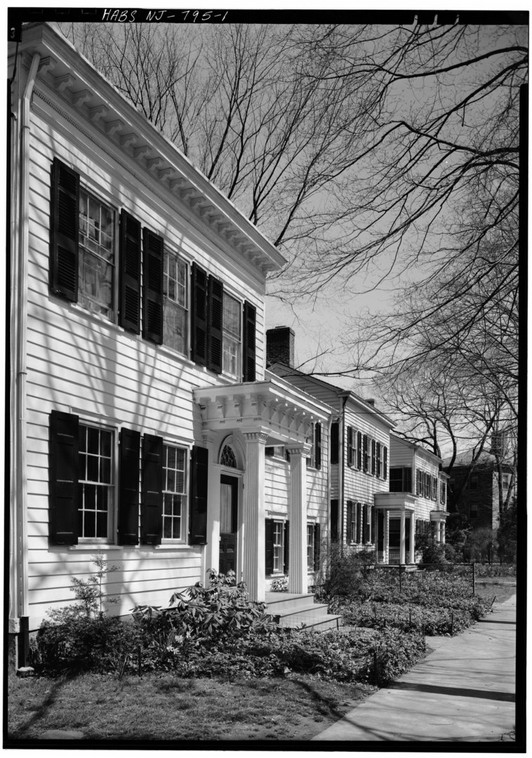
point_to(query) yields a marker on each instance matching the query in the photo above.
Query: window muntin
(278, 546)
(96, 254)
(174, 491)
(95, 514)
(232, 336)
(175, 290)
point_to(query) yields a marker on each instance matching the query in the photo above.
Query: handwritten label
(125, 16)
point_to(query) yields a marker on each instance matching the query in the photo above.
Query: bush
(431, 621)
(494, 569)
(348, 573)
(75, 642)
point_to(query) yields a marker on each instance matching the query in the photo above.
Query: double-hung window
(96, 505)
(174, 491)
(175, 329)
(96, 254)
(278, 547)
(311, 547)
(232, 336)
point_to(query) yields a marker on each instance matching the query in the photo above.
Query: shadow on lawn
(327, 706)
(55, 687)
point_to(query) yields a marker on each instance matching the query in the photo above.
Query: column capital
(303, 450)
(256, 437)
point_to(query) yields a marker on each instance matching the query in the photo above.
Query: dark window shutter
(152, 292)
(365, 451)
(286, 556)
(249, 343)
(64, 231)
(199, 471)
(385, 463)
(350, 535)
(317, 547)
(268, 540)
(335, 441)
(407, 484)
(359, 450)
(359, 528)
(151, 504)
(334, 520)
(350, 432)
(373, 457)
(198, 348)
(63, 478)
(130, 254)
(128, 497)
(216, 311)
(317, 445)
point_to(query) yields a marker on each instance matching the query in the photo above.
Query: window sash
(310, 547)
(96, 267)
(96, 481)
(231, 336)
(278, 547)
(174, 492)
(175, 302)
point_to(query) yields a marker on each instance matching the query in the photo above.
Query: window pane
(231, 319)
(96, 262)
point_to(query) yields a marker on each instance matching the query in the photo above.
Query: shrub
(431, 621)
(279, 585)
(348, 573)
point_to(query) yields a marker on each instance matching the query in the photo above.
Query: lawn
(165, 707)
(500, 587)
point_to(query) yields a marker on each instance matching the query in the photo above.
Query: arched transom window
(227, 457)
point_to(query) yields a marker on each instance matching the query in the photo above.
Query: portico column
(411, 557)
(386, 541)
(402, 540)
(297, 554)
(443, 532)
(253, 570)
(212, 548)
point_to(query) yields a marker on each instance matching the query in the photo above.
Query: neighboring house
(382, 488)
(141, 410)
(416, 503)
(480, 487)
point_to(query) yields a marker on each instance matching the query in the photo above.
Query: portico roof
(273, 408)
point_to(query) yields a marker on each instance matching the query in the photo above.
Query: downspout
(341, 464)
(21, 367)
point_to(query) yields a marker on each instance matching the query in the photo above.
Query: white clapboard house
(383, 489)
(142, 415)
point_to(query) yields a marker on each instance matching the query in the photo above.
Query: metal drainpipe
(341, 464)
(22, 505)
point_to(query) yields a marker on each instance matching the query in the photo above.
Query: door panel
(228, 523)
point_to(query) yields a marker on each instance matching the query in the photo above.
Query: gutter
(20, 271)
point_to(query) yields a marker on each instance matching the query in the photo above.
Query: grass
(502, 587)
(164, 707)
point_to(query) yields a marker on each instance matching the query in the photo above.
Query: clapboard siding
(86, 364)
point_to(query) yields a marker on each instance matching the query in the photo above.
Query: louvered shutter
(407, 480)
(152, 291)
(335, 441)
(129, 279)
(199, 471)
(215, 318)
(268, 540)
(317, 445)
(373, 457)
(359, 450)
(385, 463)
(351, 515)
(249, 343)
(128, 492)
(350, 433)
(199, 315)
(64, 231)
(365, 451)
(151, 505)
(286, 556)
(317, 547)
(64, 492)
(334, 520)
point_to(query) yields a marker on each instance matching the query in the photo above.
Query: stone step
(294, 611)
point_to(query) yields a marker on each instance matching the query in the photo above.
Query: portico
(244, 419)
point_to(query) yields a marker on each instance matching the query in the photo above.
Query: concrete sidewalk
(463, 691)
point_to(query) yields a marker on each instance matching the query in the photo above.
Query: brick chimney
(280, 346)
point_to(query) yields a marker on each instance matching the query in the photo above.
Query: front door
(228, 523)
